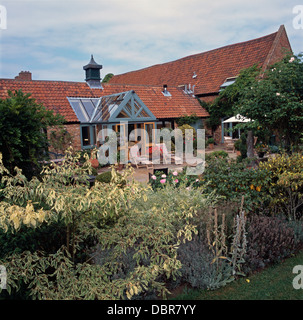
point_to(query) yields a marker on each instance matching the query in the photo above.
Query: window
(85, 136)
(88, 136)
(228, 82)
(84, 107)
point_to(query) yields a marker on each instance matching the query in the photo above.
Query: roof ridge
(201, 53)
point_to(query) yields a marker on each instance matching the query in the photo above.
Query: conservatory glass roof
(125, 106)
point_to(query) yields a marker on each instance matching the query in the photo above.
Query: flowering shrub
(174, 178)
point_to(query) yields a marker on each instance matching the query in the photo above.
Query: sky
(54, 39)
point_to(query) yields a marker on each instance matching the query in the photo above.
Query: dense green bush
(232, 180)
(270, 239)
(106, 177)
(216, 154)
(283, 185)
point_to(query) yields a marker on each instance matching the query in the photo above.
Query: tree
(107, 77)
(223, 105)
(275, 102)
(23, 124)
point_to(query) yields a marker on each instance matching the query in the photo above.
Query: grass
(273, 283)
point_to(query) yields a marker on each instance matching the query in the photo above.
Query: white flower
(163, 176)
(292, 59)
(278, 94)
(175, 173)
(153, 177)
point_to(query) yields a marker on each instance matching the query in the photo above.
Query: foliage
(222, 107)
(270, 239)
(159, 180)
(216, 154)
(237, 145)
(154, 233)
(23, 124)
(107, 77)
(106, 177)
(284, 184)
(231, 180)
(187, 119)
(60, 139)
(197, 268)
(261, 147)
(210, 141)
(119, 220)
(274, 101)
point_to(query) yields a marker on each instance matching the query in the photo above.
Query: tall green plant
(23, 124)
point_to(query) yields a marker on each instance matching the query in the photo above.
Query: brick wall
(73, 130)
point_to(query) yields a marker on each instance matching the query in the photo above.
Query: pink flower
(292, 59)
(175, 173)
(162, 181)
(197, 180)
(176, 181)
(153, 177)
(277, 94)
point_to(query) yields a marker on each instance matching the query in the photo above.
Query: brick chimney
(24, 76)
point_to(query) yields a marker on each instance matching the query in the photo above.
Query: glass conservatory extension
(122, 111)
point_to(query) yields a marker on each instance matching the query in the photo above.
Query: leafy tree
(223, 104)
(107, 77)
(23, 124)
(275, 101)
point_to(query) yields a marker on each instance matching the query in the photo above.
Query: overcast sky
(54, 38)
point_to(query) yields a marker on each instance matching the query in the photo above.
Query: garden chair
(139, 161)
(167, 156)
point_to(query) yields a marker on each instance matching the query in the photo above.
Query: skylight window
(84, 107)
(228, 82)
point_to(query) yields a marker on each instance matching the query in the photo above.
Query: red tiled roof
(211, 67)
(179, 104)
(53, 95)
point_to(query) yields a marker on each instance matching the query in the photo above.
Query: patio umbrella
(237, 118)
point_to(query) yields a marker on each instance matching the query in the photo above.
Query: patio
(142, 174)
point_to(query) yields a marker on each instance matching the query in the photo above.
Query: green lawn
(273, 283)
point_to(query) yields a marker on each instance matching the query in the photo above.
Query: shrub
(210, 141)
(146, 225)
(106, 177)
(197, 267)
(270, 239)
(231, 180)
(284, 185)
(216, 154)
(174, 178)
